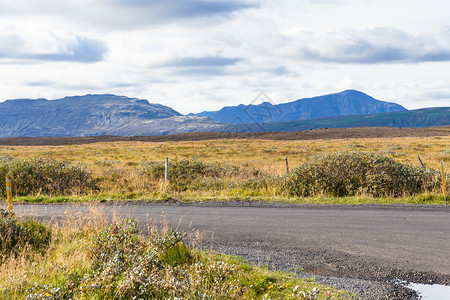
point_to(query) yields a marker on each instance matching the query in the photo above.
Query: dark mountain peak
(96, 97)
(265, 103)
(348, 102)
(143, 101)
(90, 114)
(25, 100)
(118, 103)
(353, 92)
(347, 94)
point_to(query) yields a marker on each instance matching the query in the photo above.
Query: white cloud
(369, 46)
(40, 44)
(203, 54)
(121, 14)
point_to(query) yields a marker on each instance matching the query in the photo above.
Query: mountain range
(94, 115)
(425, 117)
(346, 103)
(108, 114)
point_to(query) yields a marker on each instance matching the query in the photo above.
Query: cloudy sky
(196, 55)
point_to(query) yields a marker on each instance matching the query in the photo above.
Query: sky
(196, 55)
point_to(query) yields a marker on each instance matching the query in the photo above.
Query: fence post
(287, 165)
(166, 174)
(9, 194)
(423, 166)
(443, 179)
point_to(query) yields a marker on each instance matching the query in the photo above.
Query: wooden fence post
(166, 174)
(9, 194)
(443, 179)
(423, 166)
(287, 166)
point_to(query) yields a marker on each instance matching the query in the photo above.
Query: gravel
(362, 289)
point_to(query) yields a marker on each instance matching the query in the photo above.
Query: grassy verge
(422, 199)
(90, 258)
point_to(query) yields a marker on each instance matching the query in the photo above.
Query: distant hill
(346, 103)
(94, 115)
(426, 117)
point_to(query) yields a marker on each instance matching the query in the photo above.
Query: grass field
(117, 166)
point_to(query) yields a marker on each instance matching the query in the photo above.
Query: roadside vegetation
(21, 235)
(45, 176)
(89, 257)
(360, 173)
(349, 171)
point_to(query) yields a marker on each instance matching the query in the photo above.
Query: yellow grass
(267, 155)
(66, 253)
(117, 164)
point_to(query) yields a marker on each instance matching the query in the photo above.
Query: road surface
(366, 242)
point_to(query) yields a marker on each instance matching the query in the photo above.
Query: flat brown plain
(316, 134)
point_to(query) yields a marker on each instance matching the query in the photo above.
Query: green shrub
(191, 174)
(120, 263)
(43, 176)
(352, 173)
(19, 234)
(154, 169)
(196, 175)
(261, 181)
(127, 267)
(178, 254)
(117, 242)
(187, 170)
(169, 247)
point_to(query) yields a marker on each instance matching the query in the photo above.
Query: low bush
(19, 234)
(259, 182)
(169, 247)
(127, 267)
(186, 170)
(191, 174)
(43, 176)
(117, 242)
(359, 173)
(196, 175)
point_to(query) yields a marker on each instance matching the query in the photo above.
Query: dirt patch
(315, 134)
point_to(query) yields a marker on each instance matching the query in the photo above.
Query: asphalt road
(366, 242)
